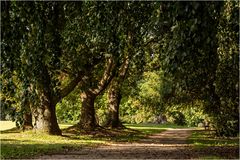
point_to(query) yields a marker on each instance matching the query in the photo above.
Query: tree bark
(27, 113)
(46, 120)
(114, 96)
(44, 113)
(114, 99)
(88, 119)
(27, 124)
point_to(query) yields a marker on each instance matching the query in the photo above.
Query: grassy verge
(215, 147)
(202, 138)
(17, 144)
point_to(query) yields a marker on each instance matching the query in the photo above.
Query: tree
(114, 96)
(191, 50)
(134, 22)
(36, 50)
(98, 79)
(88, 96)
(227, 73)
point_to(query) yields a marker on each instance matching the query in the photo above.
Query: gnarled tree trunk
(88, 119)
(45, 117)
(114, 98)
(44, 112)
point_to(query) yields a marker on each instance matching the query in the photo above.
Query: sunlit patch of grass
(18, 144)
(4, 125)
(64, 126)
(153, 128)
(27, 144)
(202, 138)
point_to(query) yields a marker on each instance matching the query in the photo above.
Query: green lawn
(205, 139)
(18, 144)
(202, 138)
(4, 125)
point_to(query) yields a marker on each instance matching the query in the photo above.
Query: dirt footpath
(170, 144)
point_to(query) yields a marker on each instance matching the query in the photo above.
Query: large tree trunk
(88, 119)
(27, 116)
(45, 115)
(46, 120)
(27, 124)
(114, 98)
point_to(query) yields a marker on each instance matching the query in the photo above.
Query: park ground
(142, 141)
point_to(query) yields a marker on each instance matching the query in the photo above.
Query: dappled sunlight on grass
(153, 128)
(64, 126)
(29, 143)
(202, 138)
(18, 144)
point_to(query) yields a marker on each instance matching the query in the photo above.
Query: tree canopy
(148, 58)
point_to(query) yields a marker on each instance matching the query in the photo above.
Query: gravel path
(170, 144)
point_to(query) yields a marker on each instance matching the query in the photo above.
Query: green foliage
(202, 41)
(146, 101)
(101, 106)
(68, 110)
(194, 116)
(184, 59)
(178, 118)
(149, 89)
(133, 112)
(227, 81)
(190, 114)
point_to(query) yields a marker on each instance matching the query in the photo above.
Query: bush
(177, 118)
(68, 111)
(132, 111)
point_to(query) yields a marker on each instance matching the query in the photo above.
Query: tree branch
(71, 85)
(80, 78)
(153, 40)
(123, 69)
(106, 78)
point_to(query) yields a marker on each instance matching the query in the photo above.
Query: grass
(205, 141)
(4, 125)
(17, 144)
(210, 157)
(202, 138)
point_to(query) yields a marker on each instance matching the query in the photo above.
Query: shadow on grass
(203, 138)
(100, 133)
(8, 140)
(12, 130)
(17, 151)
(12, 149)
